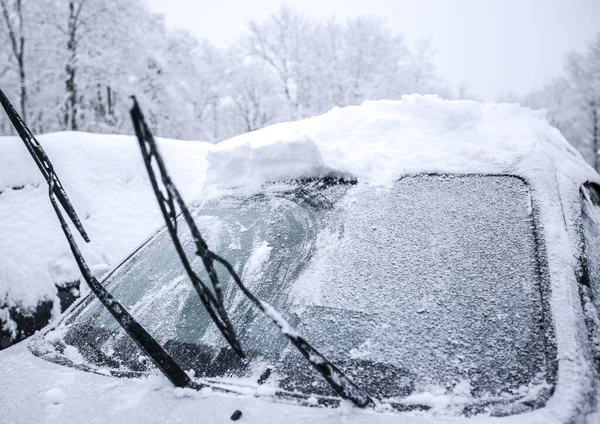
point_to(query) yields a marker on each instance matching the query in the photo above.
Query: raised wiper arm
(165, 363)
(343, 385)
(166, 201)
(41, 160)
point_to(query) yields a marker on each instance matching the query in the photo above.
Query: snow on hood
(105, 177)
(381, 140)
(67, 395)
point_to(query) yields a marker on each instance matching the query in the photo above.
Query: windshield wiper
(41, 160)
(342, 385)
(140, 336)
(213, 304)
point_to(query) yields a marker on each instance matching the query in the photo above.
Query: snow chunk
(266, 391)
(55, 396)
(73, 354)
(286, 328)
(184, 392)
(267, 162)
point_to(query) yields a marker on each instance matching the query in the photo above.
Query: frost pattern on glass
(591, 231)
(437, 276)
(428, 285)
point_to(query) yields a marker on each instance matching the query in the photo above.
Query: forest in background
(72, 65)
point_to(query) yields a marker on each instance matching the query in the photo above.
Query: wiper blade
(342, 384)
(41, 160)
(140, 336)
(213, 304)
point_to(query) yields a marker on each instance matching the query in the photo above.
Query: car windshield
(433, 286)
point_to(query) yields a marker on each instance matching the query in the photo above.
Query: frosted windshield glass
(431, 283)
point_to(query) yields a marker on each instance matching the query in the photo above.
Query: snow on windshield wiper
(140, 336)
(41, 160)
(213, 304)
(167, 198)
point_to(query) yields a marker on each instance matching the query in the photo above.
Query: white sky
(492, 46)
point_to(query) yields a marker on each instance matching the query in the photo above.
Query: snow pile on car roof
(105, 178)
(381, 140)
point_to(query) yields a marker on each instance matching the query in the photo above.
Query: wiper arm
(213, 304)
(140, 336)
(41, 160)
(343, 385)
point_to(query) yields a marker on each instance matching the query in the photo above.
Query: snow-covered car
(445, 255)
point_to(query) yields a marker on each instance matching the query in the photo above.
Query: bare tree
(584, 72)
(75, 8)
(13, 13)
(251, 93)
(84, 58)
(372, 55)
(283, 42)
(421, 67)
(573, 102)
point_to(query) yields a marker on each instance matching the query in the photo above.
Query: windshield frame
(542, 269)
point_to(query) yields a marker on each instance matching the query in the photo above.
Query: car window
(590, 213)
(430, 285)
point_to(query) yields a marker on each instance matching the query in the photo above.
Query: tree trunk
(71, 86)
(18, 48)
(595, 134)
(109, 101)
(22, 83)
(21, 60)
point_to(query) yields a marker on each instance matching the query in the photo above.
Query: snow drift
(105, 178)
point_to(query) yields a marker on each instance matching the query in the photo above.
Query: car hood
(35, 390)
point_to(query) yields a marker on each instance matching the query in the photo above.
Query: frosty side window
(590, 211)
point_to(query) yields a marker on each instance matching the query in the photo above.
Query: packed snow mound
(381, 140)
(105, 178)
